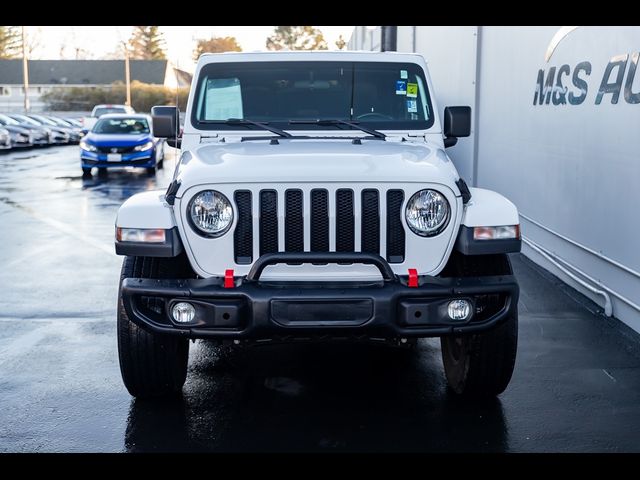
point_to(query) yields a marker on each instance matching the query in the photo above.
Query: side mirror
(457, 123)
(166, 121)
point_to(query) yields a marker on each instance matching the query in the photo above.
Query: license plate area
(321, 313)
(114, 157)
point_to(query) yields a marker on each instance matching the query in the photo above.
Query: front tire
(86, 171)
(481, 365)
(151, 364)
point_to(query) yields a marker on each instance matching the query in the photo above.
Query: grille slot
(243, 235)
(395, 230)
(268, 222)
(293, 222)
(370, 237)
(117, 149)
(345, 225)
(319, 220)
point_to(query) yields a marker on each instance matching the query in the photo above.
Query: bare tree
(33, 41)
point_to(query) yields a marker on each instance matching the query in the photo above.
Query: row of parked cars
(35, 130)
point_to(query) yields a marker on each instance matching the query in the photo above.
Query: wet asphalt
(576, 386)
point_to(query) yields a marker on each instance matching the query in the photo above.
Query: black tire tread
(151, 364)
(491, 354)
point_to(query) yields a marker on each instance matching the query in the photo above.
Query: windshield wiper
(370, 131)
(244, 121)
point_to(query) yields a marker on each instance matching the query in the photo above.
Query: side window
(223, 99)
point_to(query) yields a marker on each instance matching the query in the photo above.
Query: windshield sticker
(412, 90)
(401, 87)
(412, 106)
(403, 74)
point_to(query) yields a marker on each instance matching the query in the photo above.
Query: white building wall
(572, 170)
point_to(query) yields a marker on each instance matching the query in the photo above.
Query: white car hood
(321, 160)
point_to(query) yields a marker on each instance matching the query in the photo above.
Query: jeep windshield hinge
(170, 196)
(464, 190)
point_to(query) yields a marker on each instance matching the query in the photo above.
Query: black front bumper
(256, 310)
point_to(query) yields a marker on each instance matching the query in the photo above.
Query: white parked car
(314, 200)
(5, 139)
(103, 109)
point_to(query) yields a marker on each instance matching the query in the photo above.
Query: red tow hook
(228, 279)
(413, 278)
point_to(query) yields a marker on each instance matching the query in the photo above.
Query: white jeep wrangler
(314, 200)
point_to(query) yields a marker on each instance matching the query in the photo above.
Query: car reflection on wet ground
(576, 386)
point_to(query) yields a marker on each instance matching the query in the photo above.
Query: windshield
(23, 119)
(60, 122)
(44, 121)
(8, 120)
(130, 126)
(380, 95)
(104, 110)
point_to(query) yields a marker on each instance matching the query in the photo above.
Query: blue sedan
(121, 140)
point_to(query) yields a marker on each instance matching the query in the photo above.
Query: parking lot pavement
(576, 387)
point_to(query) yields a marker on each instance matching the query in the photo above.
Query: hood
(115, 140)
(28, 126)
(316, 161)
(16, 129)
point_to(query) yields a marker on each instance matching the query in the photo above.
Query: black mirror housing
(457, 122)
(166, 121)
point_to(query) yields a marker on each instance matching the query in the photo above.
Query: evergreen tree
(147, 43)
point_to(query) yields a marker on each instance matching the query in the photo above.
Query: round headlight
(427, 213)
(211, 213)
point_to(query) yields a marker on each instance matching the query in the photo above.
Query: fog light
(183, 312)
(459, 309)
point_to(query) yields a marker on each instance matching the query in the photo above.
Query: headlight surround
(144, 147)
(210, 213)
(427, 213)
(88, 147)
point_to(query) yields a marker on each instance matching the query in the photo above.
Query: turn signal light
(141, 235)
(503, 232)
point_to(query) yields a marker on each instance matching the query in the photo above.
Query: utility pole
(127, 73)
(25, 72)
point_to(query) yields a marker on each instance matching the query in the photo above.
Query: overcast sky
(98, 41)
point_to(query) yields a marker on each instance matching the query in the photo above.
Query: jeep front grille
(319, 203)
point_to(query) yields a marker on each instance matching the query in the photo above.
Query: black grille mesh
(293, 221)
(370, 238)
(243, 235)
(344, 221)
(268, 222)
(395, 230)
(115, 149)
(319, 220)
